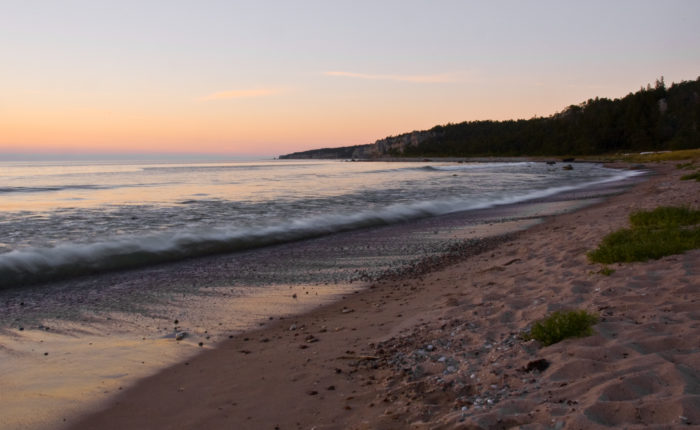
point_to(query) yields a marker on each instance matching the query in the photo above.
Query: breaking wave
(33, 265)
(473, 166)
(49, 188)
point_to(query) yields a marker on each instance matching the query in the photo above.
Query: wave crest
(20, 267)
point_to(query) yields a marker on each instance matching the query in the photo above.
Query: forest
(654, 118)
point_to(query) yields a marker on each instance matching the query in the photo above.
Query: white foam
(72, 259)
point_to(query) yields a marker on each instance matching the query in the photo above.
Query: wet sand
(439, 346)
(64, 368)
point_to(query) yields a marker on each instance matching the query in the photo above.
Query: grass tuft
(665, 216)
(606, 271)
(685, 166)
(685, 154)
(654, 234)
(563, 325)
(691, 176)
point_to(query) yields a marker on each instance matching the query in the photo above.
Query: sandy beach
(440, 347)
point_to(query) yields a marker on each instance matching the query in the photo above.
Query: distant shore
(442, 347)
(496, 159)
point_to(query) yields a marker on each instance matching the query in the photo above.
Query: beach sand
(440, 346)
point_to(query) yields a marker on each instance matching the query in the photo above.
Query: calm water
(65, 219)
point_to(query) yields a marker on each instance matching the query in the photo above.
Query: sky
(272, 77)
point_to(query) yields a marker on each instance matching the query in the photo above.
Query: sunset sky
(271, 77)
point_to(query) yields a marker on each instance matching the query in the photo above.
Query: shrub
(562, 325)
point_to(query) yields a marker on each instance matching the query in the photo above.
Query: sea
(66, 219)
(113, 270)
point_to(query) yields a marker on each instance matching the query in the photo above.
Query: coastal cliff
(389, 146)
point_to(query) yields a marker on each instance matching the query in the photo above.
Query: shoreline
(421, 350)
(555, 159)
(88, 339)
(71, 260)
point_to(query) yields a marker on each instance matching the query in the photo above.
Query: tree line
(652, 119)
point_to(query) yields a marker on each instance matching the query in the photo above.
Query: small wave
(46, 189)
(213, 167)
(8, 190)
(19, 267)
(436, 168)
(473, 166)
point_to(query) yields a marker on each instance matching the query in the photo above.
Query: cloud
(438, 78)
(240, 94)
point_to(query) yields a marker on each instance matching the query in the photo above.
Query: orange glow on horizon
(267, 131)
(259, 122)
(242, 77)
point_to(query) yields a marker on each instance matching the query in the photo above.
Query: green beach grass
(691, 176)
(562, 325)
(654, 234)
(686, 154)
(686, 166)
